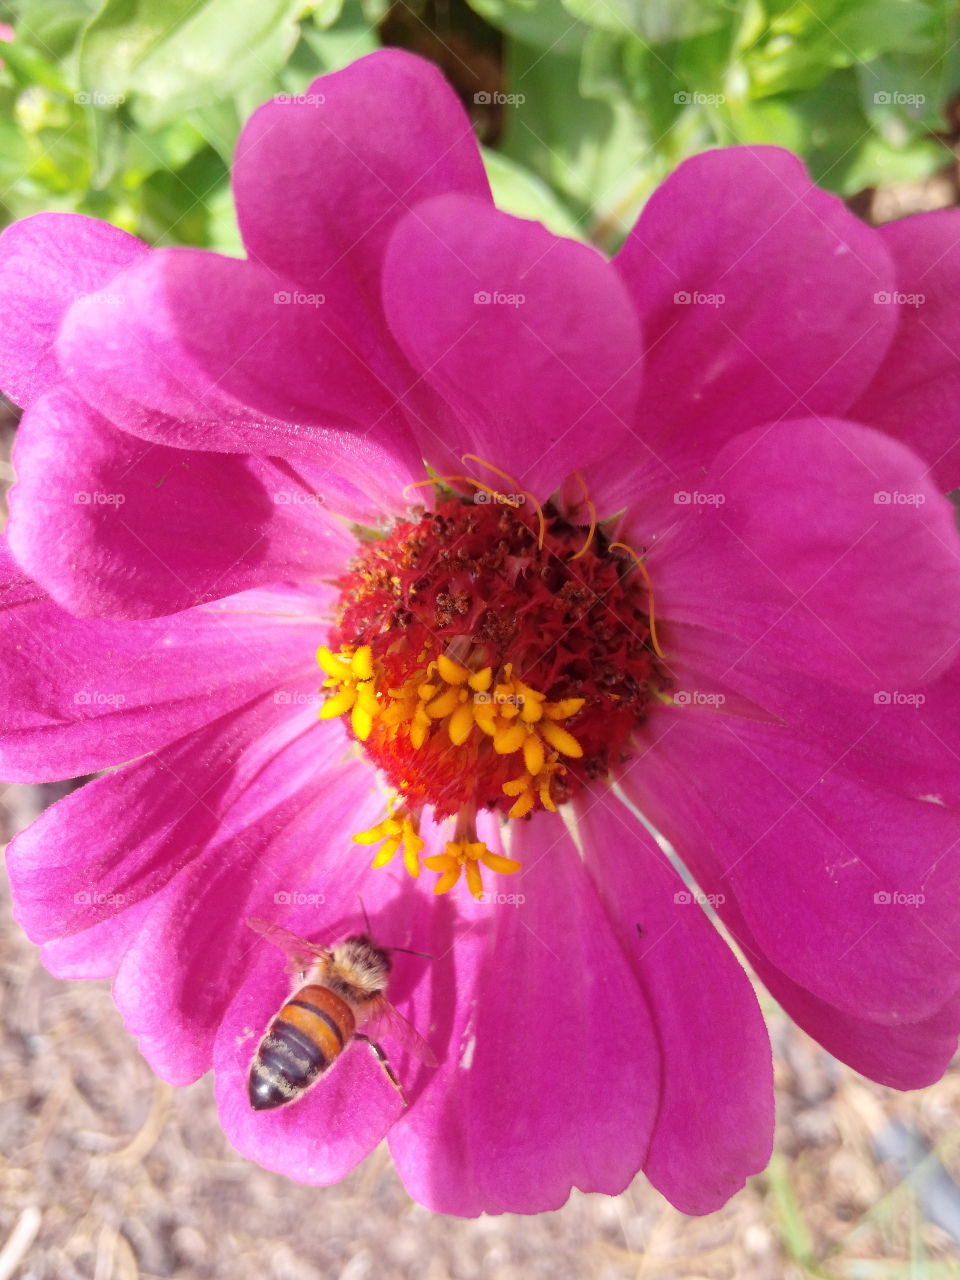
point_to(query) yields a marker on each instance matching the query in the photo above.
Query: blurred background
(129, 110)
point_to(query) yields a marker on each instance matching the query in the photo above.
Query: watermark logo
(484, 496)
(103, 298)
(894, 498)
(898, 299)
(297, 298)
(96, 99)
(93, 898)
(494, 298)
(694, 298)
(890, 98)
(696, 99)
(283, 498)
(84, 498)
(502, 899)
(94, 698)
(297, 698)
(698, 698)
(694, 498)
(497, 99)
(893, 898)
(894, 698)
(690, 897)
(294, 898)
(300, 99)
(500, 699)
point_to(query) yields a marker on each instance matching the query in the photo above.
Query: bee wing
(300, 953)
(384, 1020)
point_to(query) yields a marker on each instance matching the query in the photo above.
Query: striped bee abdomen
(305, 1037)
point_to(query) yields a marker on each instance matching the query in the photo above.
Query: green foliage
(130, 109)
(856, 87)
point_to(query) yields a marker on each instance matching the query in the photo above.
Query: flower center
(488, 657)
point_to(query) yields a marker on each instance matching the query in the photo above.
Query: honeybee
(339, 989)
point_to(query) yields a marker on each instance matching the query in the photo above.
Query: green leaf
(518, 191)
(909, 90)
(324, 48)
(597, 151)
(801, 44)
(51, 25)
(653, 20)
(877, 163)
(182, 54)
(223, 233)
(553, 132)
(319, 50)
(176, 203)
(550, 25)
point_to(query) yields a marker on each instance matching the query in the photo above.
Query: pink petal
(796, 332)
(268, 369)
(81, 695)
(715, 1123)
(281, 831)
(850, 891)
(113, 526)
(96, 952)
(46, 263)
(124, 836)
(320, 182)
(902, 740)
(319, 1138)
(532, 339)
(915, 391)
(824, 546)
(552, 1079)
(907, 1056)
(325, 1134)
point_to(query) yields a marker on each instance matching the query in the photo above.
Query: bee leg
(385, 1066)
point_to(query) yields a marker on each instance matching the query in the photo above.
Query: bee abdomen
(305, 1037)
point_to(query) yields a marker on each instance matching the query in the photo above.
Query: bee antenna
(407, 951)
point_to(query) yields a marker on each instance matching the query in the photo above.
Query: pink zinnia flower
(691, 540)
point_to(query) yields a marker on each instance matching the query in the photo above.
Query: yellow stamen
(461, 724)
(525, 802)
(452, 671)
(401, 830)
(533, 755)
(352, 669)
(561, 740)
(531, 787)
(447, 702)
(335, 667)
(448, 697)
(509, 739)
(563, 709)
(465, 856)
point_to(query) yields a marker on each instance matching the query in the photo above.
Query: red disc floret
(471, 581)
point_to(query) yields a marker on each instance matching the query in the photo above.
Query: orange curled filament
(472, 457)
(593, 518)
(646, 577)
